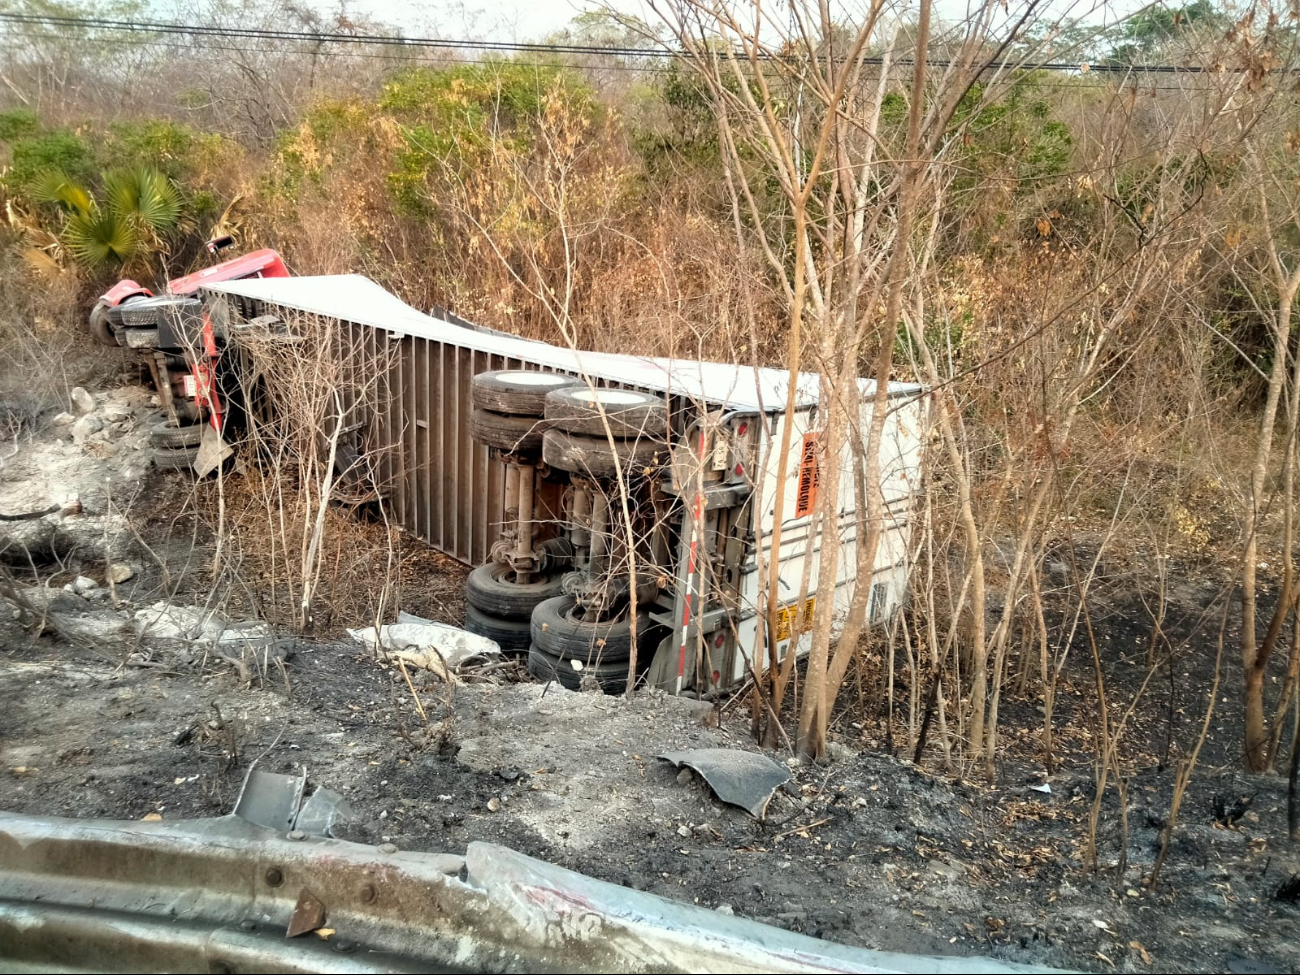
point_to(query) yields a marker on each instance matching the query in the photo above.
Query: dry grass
(368, 568)
(44, 349)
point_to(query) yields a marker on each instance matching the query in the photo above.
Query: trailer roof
(354, 298)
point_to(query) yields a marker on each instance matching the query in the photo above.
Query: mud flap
(665, 666)
(213, 451)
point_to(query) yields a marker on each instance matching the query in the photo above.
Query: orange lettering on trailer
(809, 475)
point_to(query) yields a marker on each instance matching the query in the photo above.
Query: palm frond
(55, 187)
(102, 237)
(145, 195)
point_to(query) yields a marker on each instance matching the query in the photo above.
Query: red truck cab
(106, 318)
(265, 263)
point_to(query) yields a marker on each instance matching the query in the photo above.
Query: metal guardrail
(225, 895)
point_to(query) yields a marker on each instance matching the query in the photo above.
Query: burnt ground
(867, 850)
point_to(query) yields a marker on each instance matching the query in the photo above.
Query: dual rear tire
(500, 609)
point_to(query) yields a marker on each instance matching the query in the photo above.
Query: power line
(450, 58)
(196, 53)
(391, 40)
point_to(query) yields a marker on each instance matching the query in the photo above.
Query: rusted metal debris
(308, 915)
(219, 895)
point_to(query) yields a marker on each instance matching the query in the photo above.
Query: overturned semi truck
(609, 504)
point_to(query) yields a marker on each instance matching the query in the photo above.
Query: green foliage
(1017, 134)
(428, 124)
(144, 197)
(178, 150)
(493, 97)
(204, 204)
(333, 120)
(454, 119)
(56, 188)
(16, 123)
(893, 109)
(101, 237)
(140, 206)
(1142, 35)
(57, 151)
(1180, 182)
(688, 132)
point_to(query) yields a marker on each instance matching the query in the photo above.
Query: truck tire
(578, 409)
(99, 328)
(166, 435)
(557, 631)
(512, 636)
(175, 458)
(595, 456)
(517, 392)
(612, 677)
(513, 433)
(488, 591)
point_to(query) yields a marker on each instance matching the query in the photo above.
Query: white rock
(119, 572)
(86, 426)
(82, 400)
(163, 621)
(63, 419)
(453, 644)
(839, 752)
(83, 584)
(248, 633)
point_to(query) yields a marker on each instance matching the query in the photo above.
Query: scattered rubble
(196, 624)
(82, 401)
(85, 427)
(81, 585)
(118, 573)
(92, 482)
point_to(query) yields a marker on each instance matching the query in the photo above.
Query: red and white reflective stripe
(691, 593)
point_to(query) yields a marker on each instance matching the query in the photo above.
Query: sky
(497, 20)
(531, 20)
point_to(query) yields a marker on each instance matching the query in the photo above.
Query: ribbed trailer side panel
(440, 485)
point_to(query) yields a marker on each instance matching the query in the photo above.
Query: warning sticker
(785, 618)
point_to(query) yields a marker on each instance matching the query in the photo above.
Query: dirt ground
(114, 718)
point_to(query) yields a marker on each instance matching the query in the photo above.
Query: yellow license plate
(785, 618)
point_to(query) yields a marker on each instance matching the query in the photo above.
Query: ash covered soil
(118, 720)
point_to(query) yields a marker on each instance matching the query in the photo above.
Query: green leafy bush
(16, 123)
(58, 151)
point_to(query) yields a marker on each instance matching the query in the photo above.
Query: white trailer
(727, 424)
